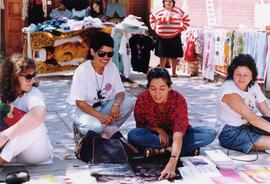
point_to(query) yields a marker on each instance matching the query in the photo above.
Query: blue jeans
(241, 138)
(87, 122)
(194, 138)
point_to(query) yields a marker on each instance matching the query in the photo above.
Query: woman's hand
(169, 171)
(115, 112)
(163, 137)
(105, 119)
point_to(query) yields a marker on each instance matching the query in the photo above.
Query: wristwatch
(5, 137)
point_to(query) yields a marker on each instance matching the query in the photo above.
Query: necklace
(99, 88)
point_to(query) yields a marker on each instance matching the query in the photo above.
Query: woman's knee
(136, 134)
(87, 122)
(210, 134)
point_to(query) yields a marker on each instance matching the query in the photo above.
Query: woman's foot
(174, 75)
(149, 152)
(196, 152)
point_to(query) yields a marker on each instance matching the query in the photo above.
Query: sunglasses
(103, 54)
(29, 77)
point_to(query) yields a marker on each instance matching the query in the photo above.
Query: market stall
(58, 52)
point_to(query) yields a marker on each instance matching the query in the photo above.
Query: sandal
(196, 152)
(149, 152)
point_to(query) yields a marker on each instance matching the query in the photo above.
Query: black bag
(258, 130)
(95, 149)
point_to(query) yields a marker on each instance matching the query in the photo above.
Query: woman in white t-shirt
(240, 106)
(97, 91)
(27, 141)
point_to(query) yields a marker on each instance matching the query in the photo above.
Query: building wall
(229, 13)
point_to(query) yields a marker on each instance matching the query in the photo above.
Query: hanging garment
(116, 59)
(189, 55)
(219, 38)
(208, 67)
(118, 7)
(124, 51)
(141, 46)
(261, 54)
(35, 13)
(26, 6)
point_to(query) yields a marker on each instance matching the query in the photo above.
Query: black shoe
(77, 135)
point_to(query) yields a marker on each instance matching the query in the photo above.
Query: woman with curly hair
(240, 104)
(26, 141)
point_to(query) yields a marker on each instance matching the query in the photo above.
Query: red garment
(189, 55)
(146, 112)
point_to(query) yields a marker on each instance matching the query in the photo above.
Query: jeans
(85, 122)
(194, 138)
(241, 138)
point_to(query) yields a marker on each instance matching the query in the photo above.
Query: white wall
(262, 15)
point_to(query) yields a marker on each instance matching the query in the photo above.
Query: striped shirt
(168, 23)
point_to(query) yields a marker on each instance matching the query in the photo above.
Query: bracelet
(175, 157)
(116, 104)
(5, 137)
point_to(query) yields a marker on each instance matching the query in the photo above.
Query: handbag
(92, 148)
(9, 115)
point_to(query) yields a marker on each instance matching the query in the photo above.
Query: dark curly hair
(156, 73)
(164, 2)
(243, 60)
(11, 68)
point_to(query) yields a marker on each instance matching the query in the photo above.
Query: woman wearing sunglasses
(27, 140)
(97, 91)
(161, 117)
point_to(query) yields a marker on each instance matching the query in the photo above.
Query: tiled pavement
(200, 96)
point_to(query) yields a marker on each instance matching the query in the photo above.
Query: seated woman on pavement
(97, 91)
(27, 141)
(161, 117)
(240, 104)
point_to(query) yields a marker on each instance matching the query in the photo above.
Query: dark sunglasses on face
(29, 77)
(103, 54)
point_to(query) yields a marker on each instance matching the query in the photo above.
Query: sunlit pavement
(200, 95)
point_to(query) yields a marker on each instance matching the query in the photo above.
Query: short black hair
(243, 60)
(98, 40)
(172, 1)
(156, 73)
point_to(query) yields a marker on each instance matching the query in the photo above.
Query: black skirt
(169, 48)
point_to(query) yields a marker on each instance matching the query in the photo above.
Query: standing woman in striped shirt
(168, 22)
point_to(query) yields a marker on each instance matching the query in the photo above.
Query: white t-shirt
(225, 115)
(86, 84)
(29, 100)
(124, 50)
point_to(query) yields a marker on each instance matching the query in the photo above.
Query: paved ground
(200, 96)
